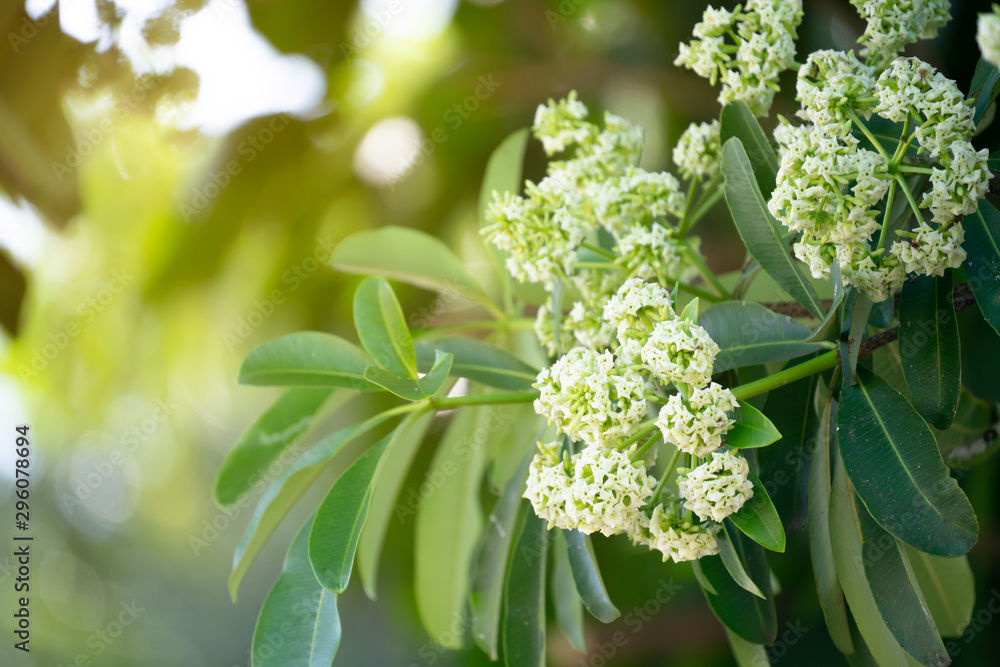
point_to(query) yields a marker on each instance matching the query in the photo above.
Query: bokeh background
(173, 177)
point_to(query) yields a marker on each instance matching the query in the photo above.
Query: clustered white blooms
(988, 35)
(698, 150)
(764, 32)
(596, 186)
(832, 177)
(892, 24)
(717, 488)
(599, 398)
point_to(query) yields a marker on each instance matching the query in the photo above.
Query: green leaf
(831, 596)
(565, 600)
(738, 121)
(300, 613)
(759, 230)
(982, 263)
(382, 328)
(524, 595)
(413, 389)
(727, 552)
(746, 653)
(389, 480)
(690, 311)
(828, 328)
(409, 256)
(588, 579)
(448, 525)
(985, 86)
(759, 520)
(856, 310)
(281, 425)
(748, 334)
(897, 471)
(745, 614)
(846, 542)
(981, 361)
(929, 347)
(309, 359)
(752, 428)
(971, 438)
(948, 588)
(340, 518)
(491, 562)
(479, 362)
(286, 490)
(897, 599)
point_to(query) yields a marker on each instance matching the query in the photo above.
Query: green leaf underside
(524, 594)
(568, 608)
(759, 520)
(310, 359)
(746, 653)
(277, 429)
(448, 525)
(340, 518)
(409, 256)
(759, 230)
(982, 263)
(738, 121)
(752, 428)
(727, 552)
(382, 328)
(893, 462)
(831, 596)
(929, 347)
(895, 596)
(752, 618)
(413, 389)
(845, 538)
(299, 612)
(285, 490)
(479, 362)
(589, 583)
(389, 478)
(491, 563)
(948, 588)
(749, 334)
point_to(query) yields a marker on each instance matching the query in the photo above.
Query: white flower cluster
(698, 152)
(718, 488)
(829, 185)
(596, 490)
(591, 396)
(697, 425)
(988, 35)
(682, 540)
(764, 32)
(892, 24)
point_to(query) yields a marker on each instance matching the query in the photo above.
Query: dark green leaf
(759, 230)
(409, 256)
(981, 359)
(982, 264)
(734, 566)
(846, 542)
(759, 520)
(524, 594)
(478, 361)
(738, 121)
(278, 428)
(413, 389)
(745, 614)
(340, 518)
(948, 588)
(309, 359)
(286, 490)
(831, 596)
(389, 480)
(748, 334)
(897, 471)
(300, 613)
(929, 347)
(382, 328)
(752, 428)
(588, 579)
(448, 526)
(985, 86)
(491, 562)
(895, 596)
(569, 610)
(852, 332)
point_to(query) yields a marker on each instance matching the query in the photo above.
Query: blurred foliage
(158, 274)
